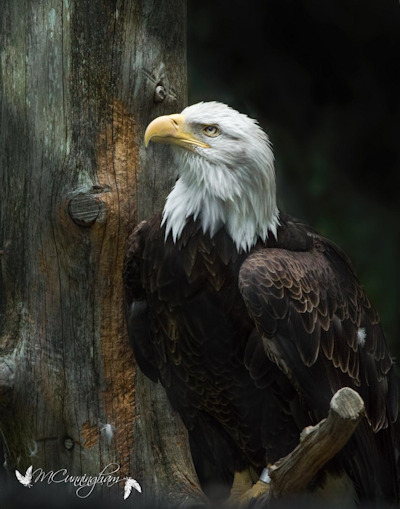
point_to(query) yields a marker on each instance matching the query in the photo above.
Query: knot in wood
(84, 209)
(160, 94)
(68, 443)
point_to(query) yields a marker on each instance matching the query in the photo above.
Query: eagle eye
(211, 130)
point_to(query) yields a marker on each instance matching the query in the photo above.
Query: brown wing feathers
(300, 305)
(319, 327)
(301, 302)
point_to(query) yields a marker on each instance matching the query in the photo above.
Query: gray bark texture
(79, 82)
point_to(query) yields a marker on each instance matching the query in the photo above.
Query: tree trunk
(79, 82)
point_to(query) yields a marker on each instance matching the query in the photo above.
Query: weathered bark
(79, 82)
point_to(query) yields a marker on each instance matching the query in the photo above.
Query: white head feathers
(226, 178)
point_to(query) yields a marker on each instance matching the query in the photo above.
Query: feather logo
(26, 479)
(129, 485)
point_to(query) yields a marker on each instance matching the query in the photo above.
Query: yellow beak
(172, 129)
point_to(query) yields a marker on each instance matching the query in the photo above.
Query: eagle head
(226, 173)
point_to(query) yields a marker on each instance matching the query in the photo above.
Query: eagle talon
(248, 499)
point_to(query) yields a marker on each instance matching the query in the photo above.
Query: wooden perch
(318, 444)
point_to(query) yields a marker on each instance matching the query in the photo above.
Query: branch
(318, 444)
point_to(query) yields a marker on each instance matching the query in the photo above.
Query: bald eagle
(250, 319)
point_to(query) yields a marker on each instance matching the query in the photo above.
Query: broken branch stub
(318, 444)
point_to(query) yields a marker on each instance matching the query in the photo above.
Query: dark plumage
(251, 344)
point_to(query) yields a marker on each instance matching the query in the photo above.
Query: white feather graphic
(25, 479)
(129, 485)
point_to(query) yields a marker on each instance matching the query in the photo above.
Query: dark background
(323, 79)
